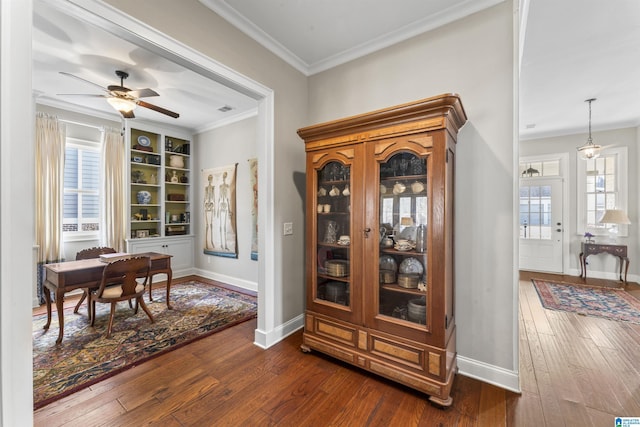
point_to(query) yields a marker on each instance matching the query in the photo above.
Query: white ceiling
(64, 43)
(571, 51)
(575, 50)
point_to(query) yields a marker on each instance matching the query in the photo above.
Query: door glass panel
(402, 253)
(333, 234)
(535, 212)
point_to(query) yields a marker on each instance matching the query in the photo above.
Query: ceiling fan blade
(143, 93)
(158, 109)
(90, 95)
(128, 114)
(83, 80)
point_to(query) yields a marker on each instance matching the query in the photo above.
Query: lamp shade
(589, 151)
(122, 104)
(614, 216)
(406, 221)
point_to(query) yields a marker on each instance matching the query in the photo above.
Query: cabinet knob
(366, 232)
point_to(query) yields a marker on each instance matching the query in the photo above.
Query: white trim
(420, 26)
(16, 213)
(249, 28)
(263, 338)
(565, 176)
(227, 121)
(230, 280)
(491, 374)
(515, 279)
(67, 106)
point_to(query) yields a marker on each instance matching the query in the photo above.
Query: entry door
(541, 228)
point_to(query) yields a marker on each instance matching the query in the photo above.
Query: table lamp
(614, 217)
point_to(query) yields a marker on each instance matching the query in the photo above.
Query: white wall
(603, 266)
(474, 58)
(234, 143)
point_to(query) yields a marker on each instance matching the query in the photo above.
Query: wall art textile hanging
(219, 211)
(253, 170)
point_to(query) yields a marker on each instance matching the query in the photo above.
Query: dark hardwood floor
(575, 371)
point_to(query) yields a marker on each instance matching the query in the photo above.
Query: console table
(619, 251)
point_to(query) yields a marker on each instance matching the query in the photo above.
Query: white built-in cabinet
(159, 193)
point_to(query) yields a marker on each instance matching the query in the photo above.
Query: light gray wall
(599, 266)
(474, 58)
(234, 143)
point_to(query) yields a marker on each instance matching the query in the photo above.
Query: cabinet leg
(441, 403)
(305, 348)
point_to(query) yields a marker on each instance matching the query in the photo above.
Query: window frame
(83, 145)
(621, 190)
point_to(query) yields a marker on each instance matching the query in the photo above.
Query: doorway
(541, 224)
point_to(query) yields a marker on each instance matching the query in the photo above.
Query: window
(81, 207)
(535, 212)
(602, 185)
(540, 168)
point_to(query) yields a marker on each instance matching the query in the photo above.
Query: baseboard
(241, 283)
(500, 377)
(265, 339)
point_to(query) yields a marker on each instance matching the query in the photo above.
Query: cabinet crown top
(446, 106)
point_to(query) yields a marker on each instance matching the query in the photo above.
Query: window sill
(80, 237)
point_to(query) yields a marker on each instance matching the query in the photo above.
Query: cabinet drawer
(335, 331)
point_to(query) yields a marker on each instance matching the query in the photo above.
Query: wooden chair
(88, 254)
(119, 284)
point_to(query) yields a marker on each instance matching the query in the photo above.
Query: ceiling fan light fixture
(589, 150)
(122, 104)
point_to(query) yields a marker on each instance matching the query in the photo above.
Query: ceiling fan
(123, 99)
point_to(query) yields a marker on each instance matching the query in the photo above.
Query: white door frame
(541, 247)
(567, 226)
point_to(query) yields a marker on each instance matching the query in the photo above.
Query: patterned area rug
(86, 356)
(614, 304)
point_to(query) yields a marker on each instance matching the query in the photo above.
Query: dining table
(63, 277)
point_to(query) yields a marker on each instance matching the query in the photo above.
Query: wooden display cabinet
(379, 255)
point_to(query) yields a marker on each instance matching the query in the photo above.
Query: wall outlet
(287, 228)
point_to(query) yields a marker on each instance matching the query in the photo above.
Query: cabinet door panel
(399, 211)
(334, 191)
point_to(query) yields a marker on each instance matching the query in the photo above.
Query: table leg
(150, 286)
(626, 270)
(47, 298)
(60, 308)
(169, 274)
(583, 265)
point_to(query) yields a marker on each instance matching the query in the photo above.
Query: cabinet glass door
(333, 234)
(403, 225)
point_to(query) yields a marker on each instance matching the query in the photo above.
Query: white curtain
(49, 168)
(114, 209)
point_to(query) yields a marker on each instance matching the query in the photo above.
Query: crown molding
(227, 121)
(420, 26)
(231, 15)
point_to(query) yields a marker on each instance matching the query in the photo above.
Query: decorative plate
(388, 263)
(411, 265)
(144, 141)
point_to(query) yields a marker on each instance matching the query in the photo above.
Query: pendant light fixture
(589, 150)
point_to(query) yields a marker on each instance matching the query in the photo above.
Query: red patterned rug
(86, 356)
(614, 304)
